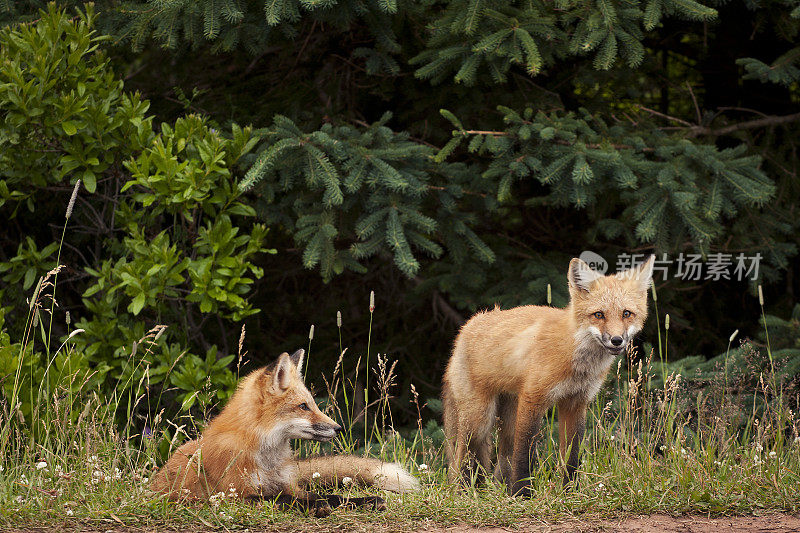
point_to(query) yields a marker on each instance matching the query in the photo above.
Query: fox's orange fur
(246, 447)
(513, 365)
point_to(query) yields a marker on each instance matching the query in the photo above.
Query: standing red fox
(515, 364)
(246, 448)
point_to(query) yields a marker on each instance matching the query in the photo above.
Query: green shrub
(161, 236)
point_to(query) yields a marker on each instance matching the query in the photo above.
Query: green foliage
(622, 127)
(668, 189)
(204, 380)
(348, 194)
(253, 24)
(784, 17)
(65, 114)
(32, 377)
(180, 256)
(470, 34)
(162, 220)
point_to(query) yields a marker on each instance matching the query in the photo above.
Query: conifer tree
(467, 149)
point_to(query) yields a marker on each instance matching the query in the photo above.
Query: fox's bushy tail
(364, 471)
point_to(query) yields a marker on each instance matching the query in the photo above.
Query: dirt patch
(657, 523)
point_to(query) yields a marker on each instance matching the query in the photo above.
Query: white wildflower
(68, 512)
(23, 479)
(662, 448)
(759, 448)
(98, 476)
(117, 473)
(346, 480)
(423, 467)
(41, 465)
(19, 499)
(315, 475)
(772, 454)
(145, 480)
(600, 486)
(214, 499)
(611, 438)
(683, 451)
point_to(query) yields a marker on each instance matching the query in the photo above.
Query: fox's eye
(599, 315)
(304, 407)
(626, 314)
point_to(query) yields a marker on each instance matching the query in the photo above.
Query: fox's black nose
(337, 428)
(616, 341)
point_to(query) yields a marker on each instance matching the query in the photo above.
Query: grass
(639, 457)
(650, 446)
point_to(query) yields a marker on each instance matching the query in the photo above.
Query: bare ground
(656, 523)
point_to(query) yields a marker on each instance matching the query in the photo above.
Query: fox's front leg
(299, 499)
(571, 426)
(374, 503)
(530, 411)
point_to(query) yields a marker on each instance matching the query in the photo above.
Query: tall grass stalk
(658, 328)
(68, 214)
(308, 351)
(366, 371)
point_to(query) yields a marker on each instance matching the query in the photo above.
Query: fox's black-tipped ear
(297, 359)
(580, 275)
(281, 376)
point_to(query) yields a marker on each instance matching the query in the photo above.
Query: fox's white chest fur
(590, 364)
(274, 470)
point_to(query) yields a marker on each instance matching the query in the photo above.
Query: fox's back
(498, 350)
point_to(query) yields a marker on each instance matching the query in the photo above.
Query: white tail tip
(394, 477)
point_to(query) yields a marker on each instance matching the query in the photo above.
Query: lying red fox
(246, 447)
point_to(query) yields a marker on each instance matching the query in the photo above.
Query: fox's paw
(321, 509)
(375, 503)
(522, 489)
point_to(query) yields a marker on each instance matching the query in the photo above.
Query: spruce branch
(771, 120)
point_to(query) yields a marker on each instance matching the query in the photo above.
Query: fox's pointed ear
(281, 376)
(643, 273)
(297, 359)
(580, 275)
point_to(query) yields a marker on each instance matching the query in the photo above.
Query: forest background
(250, 168)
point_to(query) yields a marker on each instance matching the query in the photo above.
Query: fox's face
(288, 405)
(610, 309)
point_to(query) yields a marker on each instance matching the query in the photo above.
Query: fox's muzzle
(614, 344)
(325, 432)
